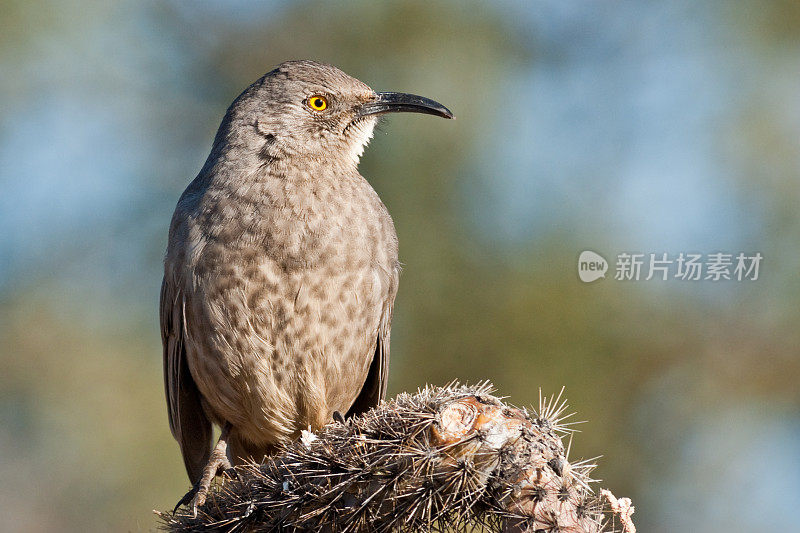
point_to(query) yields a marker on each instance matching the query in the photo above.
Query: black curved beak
(403, 102)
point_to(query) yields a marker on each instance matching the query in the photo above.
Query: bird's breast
(337, 222)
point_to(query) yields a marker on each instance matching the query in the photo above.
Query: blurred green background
(609, 126)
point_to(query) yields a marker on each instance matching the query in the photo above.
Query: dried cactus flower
(448, 458)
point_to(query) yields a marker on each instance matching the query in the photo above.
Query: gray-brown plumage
(281, 270)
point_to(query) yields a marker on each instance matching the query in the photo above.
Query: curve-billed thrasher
(280, 272)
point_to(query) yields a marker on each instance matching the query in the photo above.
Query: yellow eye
(317, 102)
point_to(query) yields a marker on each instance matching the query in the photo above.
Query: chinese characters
(716, 266)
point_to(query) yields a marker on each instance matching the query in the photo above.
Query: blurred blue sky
(620, 121)
(618, 126)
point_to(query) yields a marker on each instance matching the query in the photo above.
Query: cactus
(446, 458)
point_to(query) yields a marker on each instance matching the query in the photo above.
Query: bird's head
(314, 111)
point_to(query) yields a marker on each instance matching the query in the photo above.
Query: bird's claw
(188, 497)
(196, 497)
(218, 464)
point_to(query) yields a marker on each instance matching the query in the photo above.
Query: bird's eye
(317, 102)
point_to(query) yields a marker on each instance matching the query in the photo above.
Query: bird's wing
(374, 389)
(187, 420)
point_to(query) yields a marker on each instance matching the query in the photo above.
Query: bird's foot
(218, 463)
(199, 492)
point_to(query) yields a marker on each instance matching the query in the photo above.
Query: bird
(280, 273)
